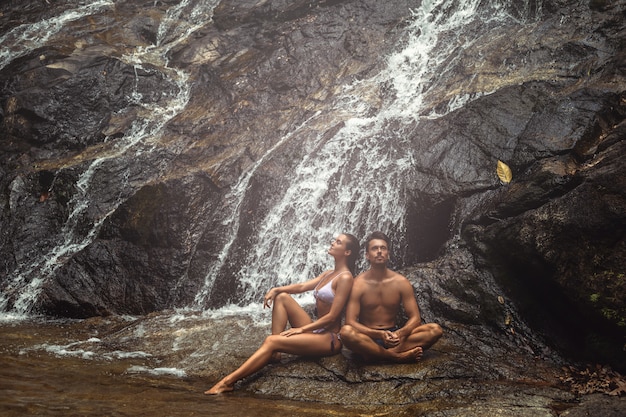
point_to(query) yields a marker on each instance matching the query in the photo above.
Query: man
(377, 294)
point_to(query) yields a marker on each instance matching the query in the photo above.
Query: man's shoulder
(364, 280)
(400, 282)
(368, 275)
(362, 277)
(396, 276)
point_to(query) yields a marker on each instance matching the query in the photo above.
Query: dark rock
(597, 405)
(545, 95)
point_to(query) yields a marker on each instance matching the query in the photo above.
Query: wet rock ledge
(468, 373)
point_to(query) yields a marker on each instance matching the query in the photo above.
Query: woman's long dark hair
(352, 244)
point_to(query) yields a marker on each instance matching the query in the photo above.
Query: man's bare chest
(378, 297)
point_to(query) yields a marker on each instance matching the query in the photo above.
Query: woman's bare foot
(219, 388)
(411, 355)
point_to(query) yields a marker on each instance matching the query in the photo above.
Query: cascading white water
(354, 181)
(27, 280)
(24, 38)
(232, 202)
(183, 19)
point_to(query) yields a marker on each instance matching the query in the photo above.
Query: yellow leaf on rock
(504, 172)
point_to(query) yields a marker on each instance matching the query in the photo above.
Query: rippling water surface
(36, 382)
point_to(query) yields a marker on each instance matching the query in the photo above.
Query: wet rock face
(49, 96)
(554, 236)
(550, 104)
(565, 256)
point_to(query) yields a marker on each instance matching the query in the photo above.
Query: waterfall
(233, 203)
(87, 213)
(25, 38)
(355, 182)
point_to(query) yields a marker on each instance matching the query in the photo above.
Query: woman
(305, 337)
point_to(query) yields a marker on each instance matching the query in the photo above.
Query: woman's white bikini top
(326, 293)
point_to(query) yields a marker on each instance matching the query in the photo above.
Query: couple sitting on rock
(372, 302)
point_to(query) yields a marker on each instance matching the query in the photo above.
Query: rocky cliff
(541, 258)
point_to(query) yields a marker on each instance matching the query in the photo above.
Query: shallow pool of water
(38, 381)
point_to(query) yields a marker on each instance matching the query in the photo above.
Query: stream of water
(39, 378)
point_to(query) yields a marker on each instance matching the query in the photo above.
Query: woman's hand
(269, 297)
(292, 331)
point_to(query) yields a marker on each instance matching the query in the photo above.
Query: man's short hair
(377, 235)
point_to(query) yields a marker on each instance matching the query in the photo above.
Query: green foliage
(614, 315)
(608, 299)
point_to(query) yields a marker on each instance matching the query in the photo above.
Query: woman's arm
(291, 289)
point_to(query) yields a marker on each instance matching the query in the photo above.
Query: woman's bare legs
(287, 310)
(306, 344)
